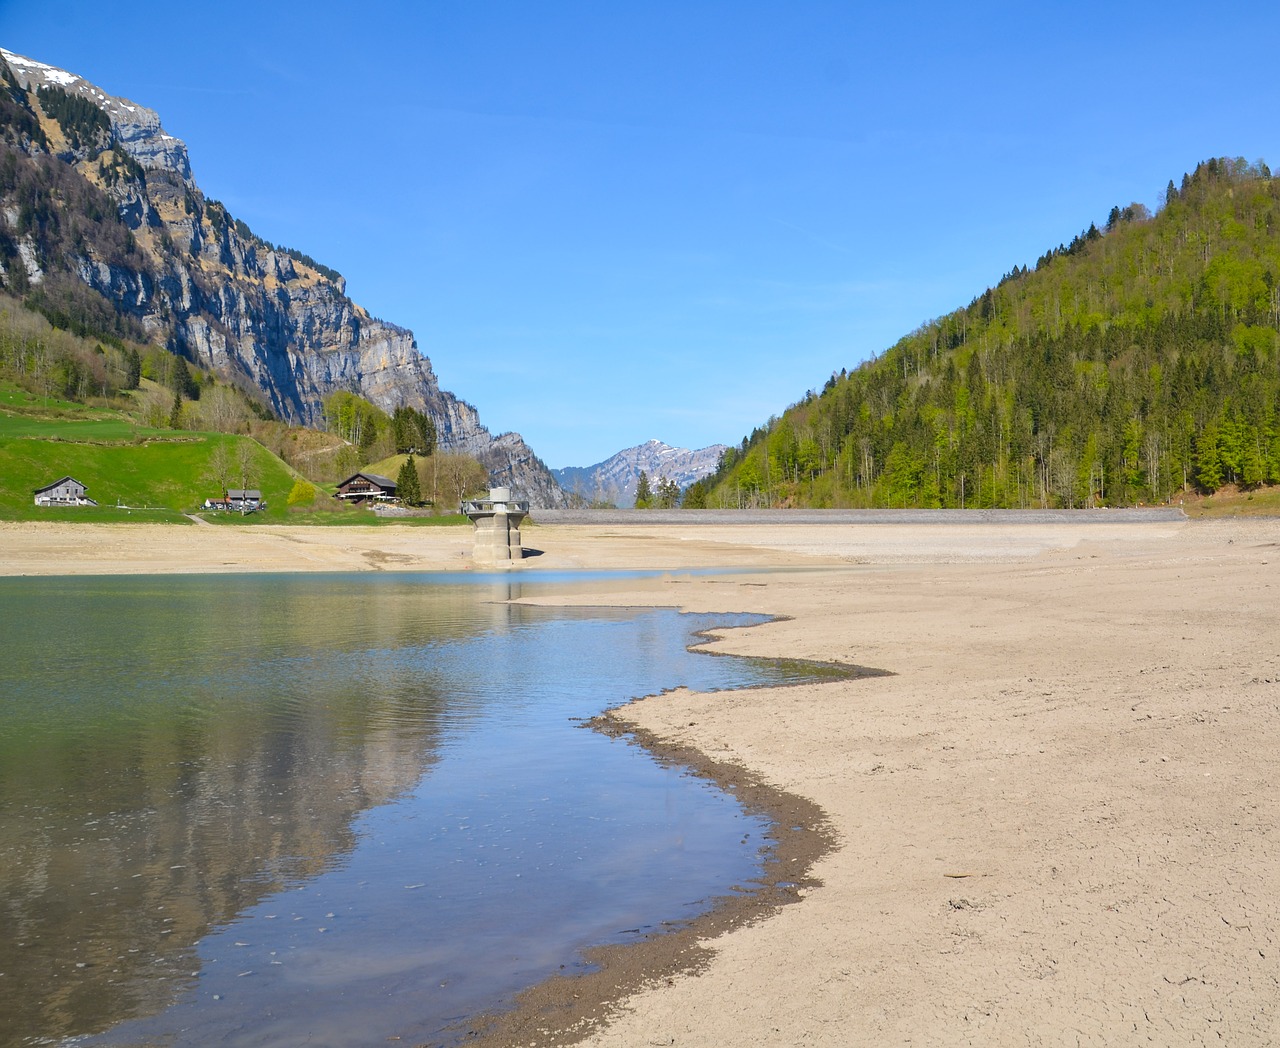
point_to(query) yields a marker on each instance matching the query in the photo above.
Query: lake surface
(333, 809)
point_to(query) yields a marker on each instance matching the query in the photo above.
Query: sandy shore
(57, 548)
(1054, 823)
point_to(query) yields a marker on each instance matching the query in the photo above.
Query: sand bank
(1054, 823)
(61, 548)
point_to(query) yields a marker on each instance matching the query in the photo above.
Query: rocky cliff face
(200, 282)
(615, 479)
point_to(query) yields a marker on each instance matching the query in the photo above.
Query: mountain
(614, 480)
(1136, 363)
(102, 225)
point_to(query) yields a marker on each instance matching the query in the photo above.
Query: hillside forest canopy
(1135, 363)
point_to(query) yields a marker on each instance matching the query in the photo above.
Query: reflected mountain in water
(247, 806)
(166, 767)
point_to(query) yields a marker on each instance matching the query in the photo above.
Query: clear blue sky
(606, 222)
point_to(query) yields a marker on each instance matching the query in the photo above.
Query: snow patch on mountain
(614, 480)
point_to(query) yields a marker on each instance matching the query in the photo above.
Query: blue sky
(607, 222)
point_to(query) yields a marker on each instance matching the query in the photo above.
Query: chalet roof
(375, 478)
(244, 493)
(56, 483)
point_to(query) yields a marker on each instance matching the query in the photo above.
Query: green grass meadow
(140, 474)
(159, 477)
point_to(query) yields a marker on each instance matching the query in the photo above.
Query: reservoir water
(334, 809)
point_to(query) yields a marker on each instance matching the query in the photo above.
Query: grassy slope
(156, 474)
(136, 473)
(159, 478)
(1232, 502)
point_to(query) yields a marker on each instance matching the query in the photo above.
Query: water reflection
(256, 807)
(170, 753)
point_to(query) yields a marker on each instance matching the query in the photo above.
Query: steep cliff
(95, 194)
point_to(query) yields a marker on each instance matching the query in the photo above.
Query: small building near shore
(65, 492)
(241, 500)
(246, 500)
(366, 487)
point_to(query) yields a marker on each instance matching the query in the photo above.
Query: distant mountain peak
(614, 480)
(49, 74)
(135, 128)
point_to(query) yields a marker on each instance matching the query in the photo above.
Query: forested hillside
(1137, 362)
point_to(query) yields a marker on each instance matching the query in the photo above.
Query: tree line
(83, 123)
(664, 494)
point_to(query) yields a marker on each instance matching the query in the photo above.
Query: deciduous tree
(458, 476)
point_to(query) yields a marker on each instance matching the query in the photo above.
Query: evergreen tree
(414, 432)
(1210, 471)
(132, 369)
(668, 494)
(644, 495)
(407, 486)
(181, 381)
(695, 495)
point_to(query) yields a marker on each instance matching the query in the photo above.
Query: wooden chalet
(366, 487)
(65, 492)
